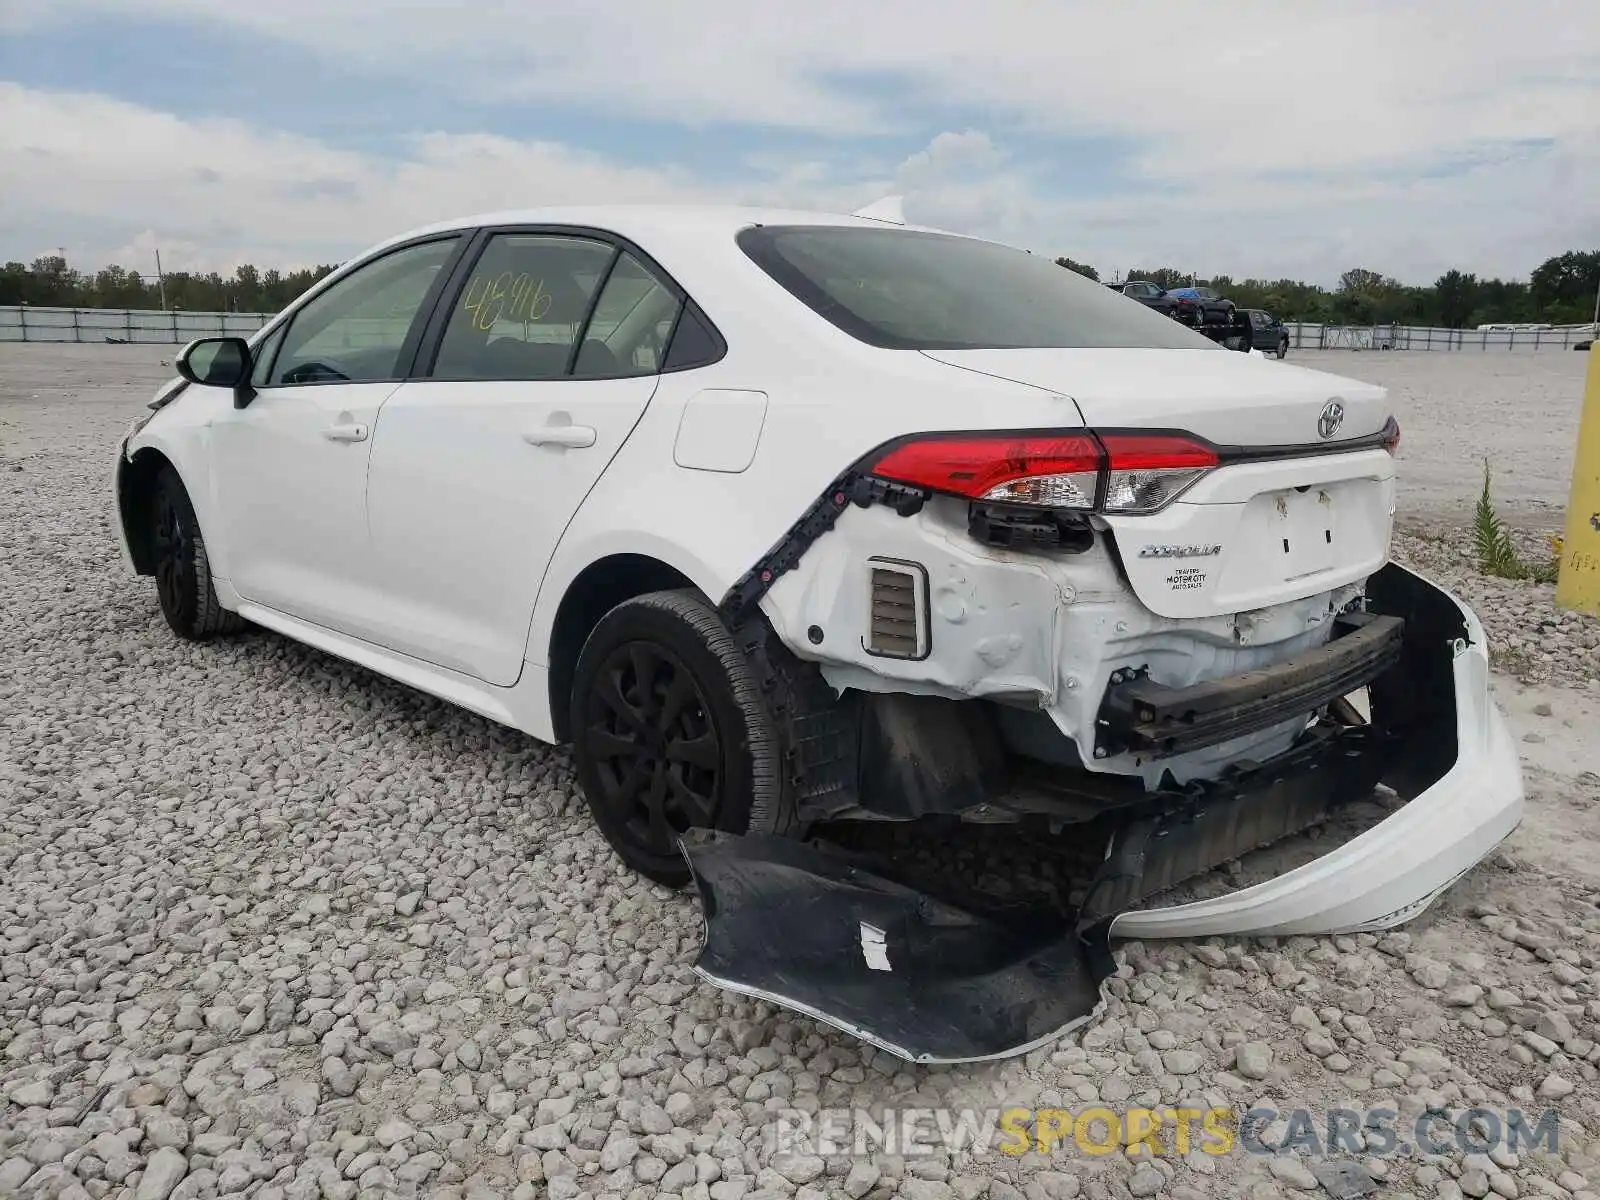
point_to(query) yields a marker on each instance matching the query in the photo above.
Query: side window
(628, 333)
(522, 308)
(354, 331)
(693, 343)
(263, 355)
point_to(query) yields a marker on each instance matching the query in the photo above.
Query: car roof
(643, 222)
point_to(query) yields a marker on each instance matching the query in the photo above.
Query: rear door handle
(575, 436)
(345, 433)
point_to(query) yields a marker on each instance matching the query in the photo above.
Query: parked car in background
(1267, 332)
(1214, 309)
(1153, 295)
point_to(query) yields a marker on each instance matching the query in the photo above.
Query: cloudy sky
(1291, 138)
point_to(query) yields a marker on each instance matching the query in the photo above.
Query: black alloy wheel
(671, 732)
(654, 745)
(182, 564)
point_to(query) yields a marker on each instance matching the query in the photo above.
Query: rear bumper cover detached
(847, 941)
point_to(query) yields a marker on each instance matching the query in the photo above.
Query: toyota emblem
(1332, 417)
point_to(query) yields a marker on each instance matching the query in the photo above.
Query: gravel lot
(272, 926)
(1520, 409)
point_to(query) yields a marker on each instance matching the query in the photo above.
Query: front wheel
(1283, 347)
(671, 732)
(183, 566)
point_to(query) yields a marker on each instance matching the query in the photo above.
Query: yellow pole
(1579, 584)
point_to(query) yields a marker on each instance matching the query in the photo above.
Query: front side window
(354, 331)
(905, 289)
(523, 307)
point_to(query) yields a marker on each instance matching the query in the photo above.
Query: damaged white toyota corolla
(786, 519)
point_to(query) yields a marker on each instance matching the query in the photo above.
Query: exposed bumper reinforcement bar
(1160, 721)
(841, 939)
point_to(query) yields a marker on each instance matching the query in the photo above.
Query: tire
(697, 747)
(182, 566)
(1283, 347)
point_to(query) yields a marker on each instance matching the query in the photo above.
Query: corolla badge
(1205, 550)
(1332, 417)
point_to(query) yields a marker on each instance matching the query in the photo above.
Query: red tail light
(1391, 435)
(1056, 470)
(1118, 472)
(1147, 471)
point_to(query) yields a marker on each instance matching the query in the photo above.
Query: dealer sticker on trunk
(1186, 579)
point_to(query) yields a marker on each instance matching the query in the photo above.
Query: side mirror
(219, 362)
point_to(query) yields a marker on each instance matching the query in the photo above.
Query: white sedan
(783, 519)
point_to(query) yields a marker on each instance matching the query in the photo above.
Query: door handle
(345, 433)
(574, 436)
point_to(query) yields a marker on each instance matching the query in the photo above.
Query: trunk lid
(1231, 399)
(1286, 515)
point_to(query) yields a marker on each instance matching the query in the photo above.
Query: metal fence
(1308, 336)
(24, 323)
(28, 324)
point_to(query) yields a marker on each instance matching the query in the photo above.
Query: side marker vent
(898, 624)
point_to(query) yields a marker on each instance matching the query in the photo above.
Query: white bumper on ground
(1393, 871)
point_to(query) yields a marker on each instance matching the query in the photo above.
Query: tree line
(1560, 291)
(49, 282)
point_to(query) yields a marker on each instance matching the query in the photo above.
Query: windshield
(908, 290)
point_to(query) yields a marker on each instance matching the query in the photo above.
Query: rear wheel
(671, 732)
(182, 565)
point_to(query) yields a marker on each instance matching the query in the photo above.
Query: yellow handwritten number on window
(505, 297)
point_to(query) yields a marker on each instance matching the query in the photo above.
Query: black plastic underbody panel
(1153, 719)
(812, 929)
(803, 925)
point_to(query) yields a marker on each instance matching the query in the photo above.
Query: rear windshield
(907, 290)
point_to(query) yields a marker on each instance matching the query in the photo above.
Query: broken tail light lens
(1146, 472)
(1043, 470)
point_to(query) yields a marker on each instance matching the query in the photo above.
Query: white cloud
(233, 193)
(1314, 85)
(113, 180)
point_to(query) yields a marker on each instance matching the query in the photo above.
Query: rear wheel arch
(594, 592)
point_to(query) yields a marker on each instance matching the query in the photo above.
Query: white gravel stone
(1253, 1060)
(162, 1171)
(331, 938)
(1292, 1171)
(1555, 1087)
